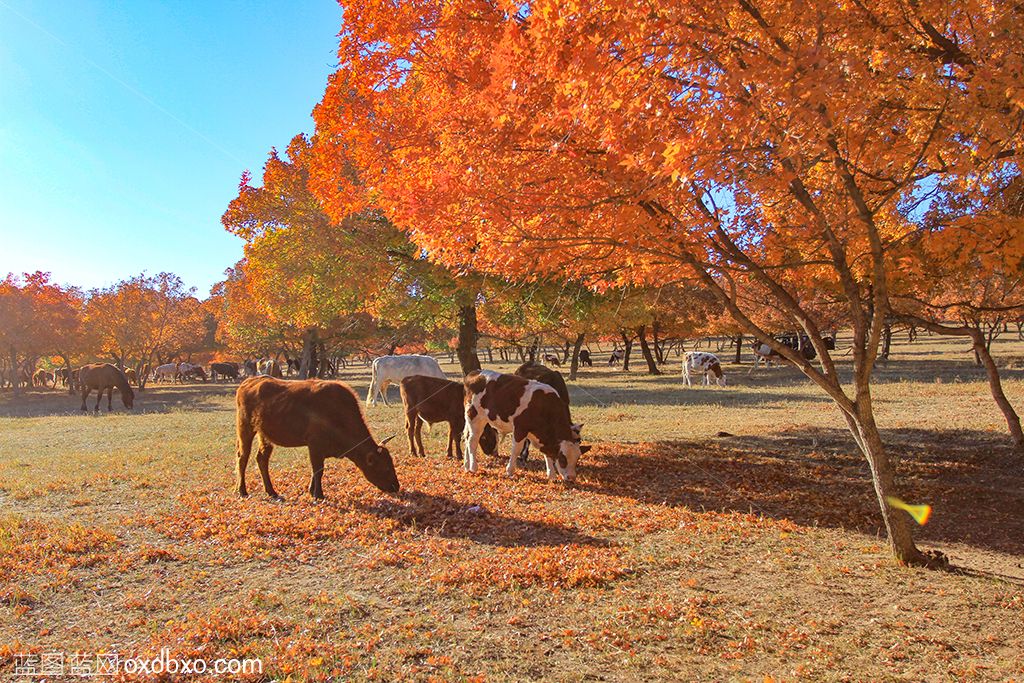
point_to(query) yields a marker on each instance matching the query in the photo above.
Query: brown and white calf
(526, 409)
(703, 363)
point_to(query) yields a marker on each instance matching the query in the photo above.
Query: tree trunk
(308, 362)
(645, 349)
(575, 366)
(15, 372)
(468, 336)
(658, 354)
(897, 522)
(565, 352)
(996, 386)
(886, 341)
(739, 349)
(627, 348)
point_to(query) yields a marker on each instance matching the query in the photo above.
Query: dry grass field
(681, 554)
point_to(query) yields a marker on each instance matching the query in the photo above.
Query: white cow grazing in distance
(703, 363)
(393, 369)
(165, 371)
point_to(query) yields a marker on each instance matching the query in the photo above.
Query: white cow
(393, 369)
(167, 370)
(703, 363)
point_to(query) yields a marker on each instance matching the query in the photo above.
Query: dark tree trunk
(15, 372)
(981, 351)
(308, 361)
(658, 351)
(468, 336)
(739, 349)
(566, 351)
(886, 341)
(645, 349)
(575, 365)
(627, 349)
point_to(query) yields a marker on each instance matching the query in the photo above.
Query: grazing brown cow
(433, 400)
(104, 377)
(324, 416)
(529, 410)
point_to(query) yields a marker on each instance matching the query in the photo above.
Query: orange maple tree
(144, 319)
(774, 148)
(37, 318)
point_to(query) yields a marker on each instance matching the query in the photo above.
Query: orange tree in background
(779, 149)
(37, 318)
(304, 271)
(146, 319)
(963, 274)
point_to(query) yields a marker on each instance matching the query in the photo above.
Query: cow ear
(584, 449)
(578, 427)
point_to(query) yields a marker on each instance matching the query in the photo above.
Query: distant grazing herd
(532, 405)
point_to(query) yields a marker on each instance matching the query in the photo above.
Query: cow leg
(410, 429)
(686, 374)
(263, 460)
(243, 448)
(454, 443)
(518, 444)
(525, 455)
(316, 463)
(474, 429)
(419, 437)
(384, 391)
(110, 399)
(99, 397)
(85, 394)
(551, 469)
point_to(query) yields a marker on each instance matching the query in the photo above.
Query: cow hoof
(276, 498)
(243, 494)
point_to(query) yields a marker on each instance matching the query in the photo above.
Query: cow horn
(386, 440)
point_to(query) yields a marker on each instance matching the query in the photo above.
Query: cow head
(489, 440)
(568, 456)
(379, 469)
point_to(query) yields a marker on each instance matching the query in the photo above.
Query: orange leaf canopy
(634, 137)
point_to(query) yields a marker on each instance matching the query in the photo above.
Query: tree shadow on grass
(450, 518)
(743, 377)
(153, 399)
(817, 477)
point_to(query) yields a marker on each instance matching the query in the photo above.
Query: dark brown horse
(104, 377)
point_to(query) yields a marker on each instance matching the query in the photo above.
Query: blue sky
(125, 126)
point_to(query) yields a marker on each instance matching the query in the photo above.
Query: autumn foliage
(782, 155)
